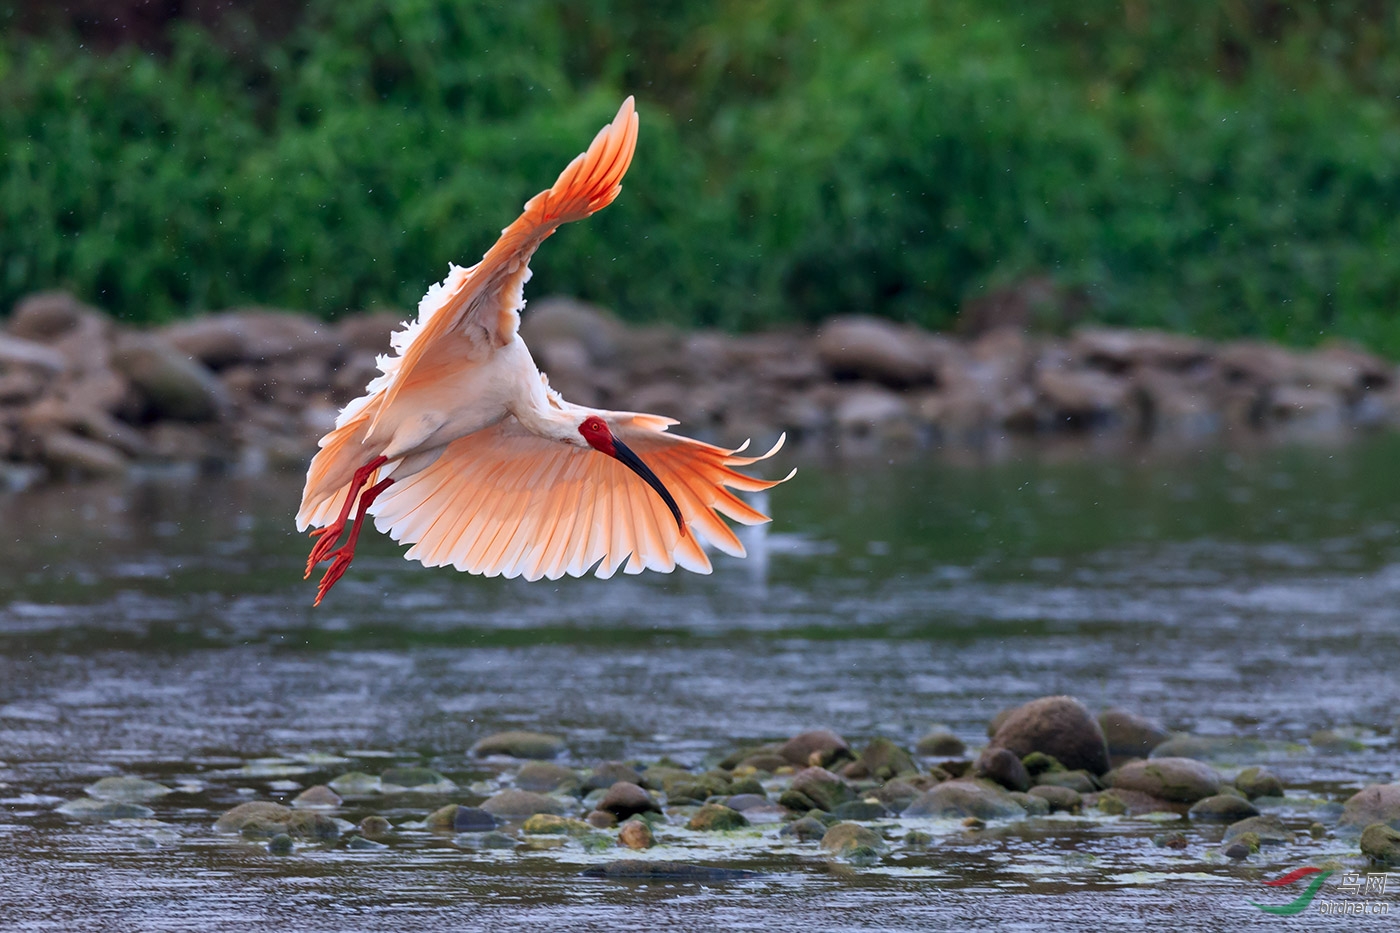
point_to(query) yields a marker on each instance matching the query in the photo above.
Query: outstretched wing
(505, 502)
(484, 301)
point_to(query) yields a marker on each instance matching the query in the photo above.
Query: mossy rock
(847, 839)
(262, 813)
(1381, 844)
(1256, 782)
(553, 824)
(715, 817)
(1222, 808)
(806, 829)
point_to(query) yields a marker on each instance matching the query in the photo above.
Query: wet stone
(1002, 766)
(356, 784)
(373, 827)
(882, 759)
(1381, 844)
(600, 819)
(318, 796)
(515, 804)
(636, 834)
(550, 824)
(472, 820)
(897, 795)
(126, 788)
(1238, 851)
(607, 773)
(1172, 840)
(965, 797)
(418, 780)
(361, 844)
(805, 829)
(1222, 808)
(626, 799)
(1060, 799)
(1080, 781)
(253, 812)
(516, 744)
(824, 789)
(861, 810)
(495, 840)
(1034, 806)
(1267, 830)
(306, 824)
(713, 817)
(819, 747)
(545, 776)
(280, 844)
(1178, 779)
(918, 839)
(1129, 735)
(1375, 803)
(443, 818)
(845, 840)
(742, 802)
(92, 809)
(1039, 763)
(940, 744)
(1258, 782)
(1058, 725)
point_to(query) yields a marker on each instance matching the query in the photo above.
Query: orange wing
(485, 300)
(505, 502)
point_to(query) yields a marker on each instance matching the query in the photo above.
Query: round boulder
(963, 798)
(1130, 735)
(625, 799)
(1375, 803)
(1059, 726)
(1184, 780)
(516, 804)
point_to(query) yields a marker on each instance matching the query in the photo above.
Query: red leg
(346, 553)
(328, 535)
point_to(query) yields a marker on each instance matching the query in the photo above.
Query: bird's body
(460, 448)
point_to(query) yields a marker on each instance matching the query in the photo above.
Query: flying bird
(461, 449)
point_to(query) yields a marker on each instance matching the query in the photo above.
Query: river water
(160, 628)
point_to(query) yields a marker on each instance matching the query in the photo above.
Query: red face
(595, 432)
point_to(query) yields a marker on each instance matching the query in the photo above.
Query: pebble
(1381, 844)
(1129, 735)
(92, 809)
(280, 844)
(360, 843)
(1267, 830)
(636, 834)
(607, 773)
(254, 813)
(1004, 767)
(1256, 782)
(1060, 799)
(546, 776)
(552, 824)
(820, 747)
(356, 784)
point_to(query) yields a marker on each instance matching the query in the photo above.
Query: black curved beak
(634, 463)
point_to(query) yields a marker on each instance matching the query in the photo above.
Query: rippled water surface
(161, 628)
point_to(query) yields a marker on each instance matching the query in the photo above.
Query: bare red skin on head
(595, 431)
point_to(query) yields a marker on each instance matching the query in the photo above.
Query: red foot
(328, 535)
(346, 552)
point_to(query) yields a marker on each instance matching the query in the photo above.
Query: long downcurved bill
(627, 458)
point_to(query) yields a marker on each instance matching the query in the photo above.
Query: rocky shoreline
(82, 396)
(813, 793)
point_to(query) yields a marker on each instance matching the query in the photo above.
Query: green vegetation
(1218, 168)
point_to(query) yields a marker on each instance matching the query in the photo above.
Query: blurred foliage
(1224, 168)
